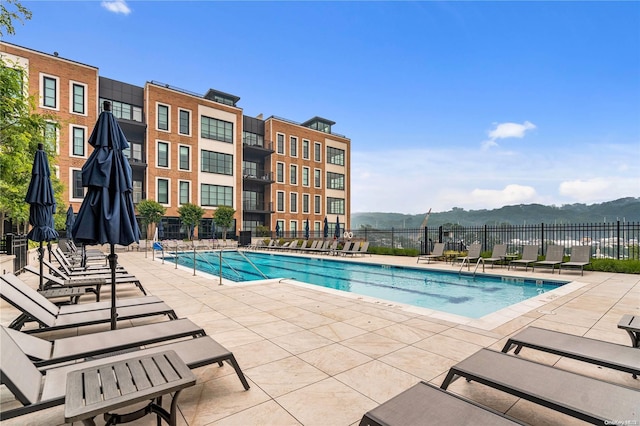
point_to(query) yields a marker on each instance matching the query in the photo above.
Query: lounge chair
(598, 352)
(68, 267)
(580, 257)
(631, 324)
(425, 403)
(529, 256)
(26, 382)
(44, 352)
(436, 254)
(66, 273)
(329, 247)
(313, 246)
(358, 248)
(99, 280)
(35, 307)
(554, 257)
(585, 398)
(473, 255)
(498, 254)
(345, 248)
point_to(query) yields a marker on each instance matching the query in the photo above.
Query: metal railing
(18, 246)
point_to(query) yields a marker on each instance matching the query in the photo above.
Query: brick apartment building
(192, 148)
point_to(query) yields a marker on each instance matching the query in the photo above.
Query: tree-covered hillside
(627, 209)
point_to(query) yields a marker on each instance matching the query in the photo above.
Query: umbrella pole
(113, 261)
(41, 252)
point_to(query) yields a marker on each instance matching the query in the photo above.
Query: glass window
(305, 203)
(280, 172)
(317, 203)
(136, 114)
(184, 192)
(252, 139)
(163, 191)
(184, 158)
(293, 174)
(163, 117)
(280, 201)
(51, 135)
(163, 154)
(305, 176)
(293, 227)
(184, 122)
(216, 195)
(78, 98)
(305, 149)
(217, 162)
(335, 156)
(293, 200)
(78, 190)
(123, 110)
(137, 191)
(250, 169)
(293, 146)
(335, 181)
(280, 144)
(49, 86)
(317, 151)
(317, 179)
(335, 205)
(78, 141)
(219, 130)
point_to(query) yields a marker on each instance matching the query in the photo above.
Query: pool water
(461, 294)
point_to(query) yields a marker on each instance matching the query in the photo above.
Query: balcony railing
(256, 175)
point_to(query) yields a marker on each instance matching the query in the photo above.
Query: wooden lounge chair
(580, 257)
(36, 308)
(26, 382)
(529, 256)
(424, 404)
(436, 254)
(582, 397)
(554, 257)
(598, 352)
(498, 254)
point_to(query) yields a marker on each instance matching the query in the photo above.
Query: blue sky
(447, 104)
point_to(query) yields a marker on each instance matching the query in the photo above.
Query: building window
(185, 122)
(305, 176)
(280, 172)
(293, 202)
(184, 192)
(78, 189)
(216, 195)
(317, 203)
(280, 201)
(317, 151)
(317, 178)
(252, 139)
(78, 98)
(305, 149)
(280, 144)
(217, 162)
(78, 141)
(123, 110)
(335, 156)
(49, 92)
(163, 154)
(215, 129)
(134, 151)
(293, 227)
(51, 136)
(293, 174)
(163, 117)
(184, 158)
(335, 205)
(163, 191)
(305, 203)
(293, 146)
(249, 169)
(335, 181)
(137, 191)
(252, 200)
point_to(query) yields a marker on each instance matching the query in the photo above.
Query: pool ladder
(252, 264)
(465, 260)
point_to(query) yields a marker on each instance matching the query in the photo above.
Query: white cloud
(488, 145)
(510, 194)
(600, 188)
(511, 130)
(116, 6)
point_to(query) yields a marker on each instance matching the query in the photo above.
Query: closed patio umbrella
(306, 230)
(42, 205)
(277, 229)
(69, 223)
(326, 228)
(337, 231)
(107, 213)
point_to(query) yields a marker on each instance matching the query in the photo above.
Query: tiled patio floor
(313, 357)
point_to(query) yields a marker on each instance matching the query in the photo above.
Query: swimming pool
(461, 294)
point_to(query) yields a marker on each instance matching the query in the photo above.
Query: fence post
(485, 238)
(392, 245)
(440, 234)
(618, 239)
(542, 236)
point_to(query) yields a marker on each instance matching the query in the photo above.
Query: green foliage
(627, 266)
(7, 16)
(150, 211)
(393, 251)
(223, 217)
(262, 231)
(190, 215)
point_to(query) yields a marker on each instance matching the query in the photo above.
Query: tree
(150, 211)
(190, 215)
(7, 16)
(223, 217)
(21, 129)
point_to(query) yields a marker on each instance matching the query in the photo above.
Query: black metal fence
(17, 245)
(615, 240)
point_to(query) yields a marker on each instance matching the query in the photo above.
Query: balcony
(258, 207)
(258, 176)
(262, 149)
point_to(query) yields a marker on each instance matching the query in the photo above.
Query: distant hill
(627, 209)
